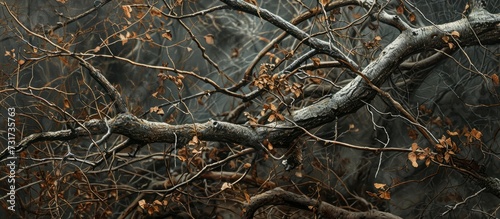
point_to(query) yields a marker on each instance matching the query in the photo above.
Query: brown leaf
(194, 140)
(413, 158)
(450, 133)
(247, 196)
(156, 12)
(445, 39)
(428, 162)
(379, 185)
(316, 61)
(495, 79)
(209, 38)
(247, 165)
(270, 146)
(142, 203)
(455, 34)
(385, 195)
(400, 9)
(20, 61)
(167, 35)
(414, 147)
(412, 17)
(476, 134)
(126, 10)
(271, 118)
(413, 134)
(123, 39)
(66, 104)
(372, 194)
(232, 164)
(324, 2)
(62, 1)
(160, 112)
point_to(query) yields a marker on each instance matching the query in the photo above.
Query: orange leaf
(385, 195)
(271, 118)
(495, 79)
(455, 34)
(209, 38)
(452, 133)
(412, 17)
(379, 185)
(324, 2)
(126, 10)
(428, 162)
(413, 158)
(66, 104)
(476, 134)
(400, 9)
(414, 147)
(445, 39)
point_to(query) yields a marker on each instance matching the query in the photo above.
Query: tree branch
(279, 196)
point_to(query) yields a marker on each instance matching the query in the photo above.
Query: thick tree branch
(320, 45)
(279, 196)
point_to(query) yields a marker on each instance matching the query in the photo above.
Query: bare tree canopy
(250, 109)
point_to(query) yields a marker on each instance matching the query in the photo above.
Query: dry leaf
(385, 195)
(495, 79)
(476, 134)
(413, 158)
(142, 204)
(209, 38)
(324, 2)
(414, 147)
(194, 140)
(167, 35)
(450, 133)
(378, 38)
(66, 104)
(160, 112)
(379, 185)
(123, 39)
(428, 162)
(446, 39)
(247, 165)
(21, 61)
(316, 61)
(451, 45)
(225, 186)
(126, 10)
(298, 174)
(62, 1)
(455, 34)
(247, 196)
(400, 9)
(412, 17)
(156, 12)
